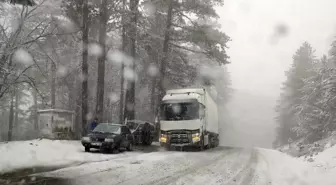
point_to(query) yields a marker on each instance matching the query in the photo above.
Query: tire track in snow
(175, 176)
(248, 174)
(163, 175)
(234, 173)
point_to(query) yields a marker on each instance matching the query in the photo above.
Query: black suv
(109, 137)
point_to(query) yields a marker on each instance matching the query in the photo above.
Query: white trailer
(189, 117)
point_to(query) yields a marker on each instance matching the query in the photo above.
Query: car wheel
(115, 150)
(130, 147)
(87, 149)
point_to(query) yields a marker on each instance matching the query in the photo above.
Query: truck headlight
(163, 138)
(196, 137)
(87, 139)
(109, 140)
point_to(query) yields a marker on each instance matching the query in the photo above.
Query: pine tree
(303, 62)
(316, 112)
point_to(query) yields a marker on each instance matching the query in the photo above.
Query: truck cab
(184, 119)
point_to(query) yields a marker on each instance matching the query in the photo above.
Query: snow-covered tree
(303, 62)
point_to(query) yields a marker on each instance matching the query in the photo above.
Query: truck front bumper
(166, 143)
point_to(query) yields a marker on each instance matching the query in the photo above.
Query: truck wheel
(216, 141)
(201, 147)
(87, 149)
(211, 143)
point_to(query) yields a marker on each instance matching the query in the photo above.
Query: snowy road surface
(230, 166)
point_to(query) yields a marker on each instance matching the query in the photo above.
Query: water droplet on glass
(117, 57)
(152, 70)
(61, 71)
(149, 8)
(23, 57)
(95, 50)
(89, 116)
(176, 109)
(129, 74)
(113, 97)
(281, 30)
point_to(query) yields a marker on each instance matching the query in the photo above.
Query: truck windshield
(179, 111)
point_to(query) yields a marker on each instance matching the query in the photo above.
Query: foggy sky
(257, 65)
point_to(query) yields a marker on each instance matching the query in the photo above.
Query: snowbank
(284, 169)
(326, 159)
(48, 153)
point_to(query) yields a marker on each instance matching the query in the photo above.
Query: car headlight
(109, 140)
(88, 139)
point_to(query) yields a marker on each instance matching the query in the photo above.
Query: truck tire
(201, 146)
(211, 143)
(216, 140)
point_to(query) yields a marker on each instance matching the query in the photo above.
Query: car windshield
(179, 111)
(107, 128)
(132, 125)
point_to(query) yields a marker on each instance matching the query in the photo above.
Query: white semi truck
(188, 117)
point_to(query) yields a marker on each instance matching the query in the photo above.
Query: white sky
(257, 65)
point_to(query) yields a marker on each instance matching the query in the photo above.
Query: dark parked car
(143, 132)
(109, 137)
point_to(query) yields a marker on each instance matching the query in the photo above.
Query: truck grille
(179, 137)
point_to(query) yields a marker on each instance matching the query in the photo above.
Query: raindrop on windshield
(152, 70)
(149, 8)
(95, 49)
(113, 97)
(177, 109)
(23, 57)
(117, 57)
(89, 116)
(61, 71)
(129, 74)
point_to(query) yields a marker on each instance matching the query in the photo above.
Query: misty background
(261, 56)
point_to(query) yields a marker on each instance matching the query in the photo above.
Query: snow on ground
(326, 159)
(283, 169)
(235, 166)
(324, 165)
(48, 153)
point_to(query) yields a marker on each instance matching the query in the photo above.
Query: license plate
(96, 144)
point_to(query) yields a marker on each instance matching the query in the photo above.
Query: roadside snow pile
(298, 149)
(47, 153)
(326, 160)
(282, 169)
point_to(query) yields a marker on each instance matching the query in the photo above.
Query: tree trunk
(35, 109)
(17, 97)
(11, 117)
(122, 79)
(52, 85)
(101, 61)
(85, 38)
(165, 52)
(130, 94)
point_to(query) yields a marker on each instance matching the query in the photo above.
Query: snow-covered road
(230, 166)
